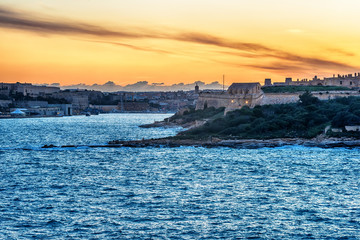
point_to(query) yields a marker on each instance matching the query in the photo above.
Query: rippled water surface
(168, 193)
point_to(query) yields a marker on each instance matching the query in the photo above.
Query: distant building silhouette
(349, 80)
(196, 89)
(267, 82)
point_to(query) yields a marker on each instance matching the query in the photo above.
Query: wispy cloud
(311, 61)
(278, 67)
(10, 18)
(340, 52)
(160, 51)
(24, 21)
(221, 42)
(275, 66)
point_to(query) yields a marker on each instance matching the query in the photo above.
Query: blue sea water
(168, 193)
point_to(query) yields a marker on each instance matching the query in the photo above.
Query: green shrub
(307, 118)
(343, 119)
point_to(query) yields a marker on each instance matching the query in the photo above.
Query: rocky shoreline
(215, 143)
(165, 124)
(240, 143)
(158, 124)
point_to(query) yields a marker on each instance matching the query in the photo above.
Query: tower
(288, 81)
(196, 89)
(268, 82)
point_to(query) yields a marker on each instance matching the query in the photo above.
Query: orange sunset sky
(126, 41)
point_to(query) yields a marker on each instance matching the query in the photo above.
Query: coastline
(218, 143)
(240, 143)
(17, 117)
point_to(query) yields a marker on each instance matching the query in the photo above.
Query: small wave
(54, 223)
(305, 211)
(3, 219)
(37, 148)
(109, 189)
(24, 225)
(57, 186)
(4, 149)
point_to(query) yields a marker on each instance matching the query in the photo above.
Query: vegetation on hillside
(305, 119)
(192, 115)
(292, 89)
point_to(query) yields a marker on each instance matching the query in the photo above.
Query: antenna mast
(223, 83)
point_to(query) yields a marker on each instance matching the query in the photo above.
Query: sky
(162, 41)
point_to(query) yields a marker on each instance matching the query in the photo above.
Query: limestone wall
(229, 101)
(279, 98)
(233, 102)
(282, 98)
(342, 82)
(335, 94)
(216, 100)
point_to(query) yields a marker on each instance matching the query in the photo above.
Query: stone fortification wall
(283, 98)
(215, 100)
(231, 102)
(335, 94)
(348, 81)
(279, 98)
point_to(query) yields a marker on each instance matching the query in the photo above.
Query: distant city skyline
(171, 42)
(143, 86)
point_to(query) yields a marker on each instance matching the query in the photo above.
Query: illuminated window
(232, 101)
(246, 101)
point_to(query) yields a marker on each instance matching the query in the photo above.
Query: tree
(344, 118)
(307, 99)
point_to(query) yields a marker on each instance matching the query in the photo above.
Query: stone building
(27, 89)
(267, 82)
(78, 98)
(35, 91)
(237, 96)
(250, 94)
(348, 80)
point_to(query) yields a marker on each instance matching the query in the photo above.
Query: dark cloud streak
(220, 42)
(310, 61)
(16, 20)
(277, 67)
(134, 47)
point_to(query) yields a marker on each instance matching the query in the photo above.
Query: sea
(167, 193)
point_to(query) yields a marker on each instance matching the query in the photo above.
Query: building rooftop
(243, 88)
(243, 85)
